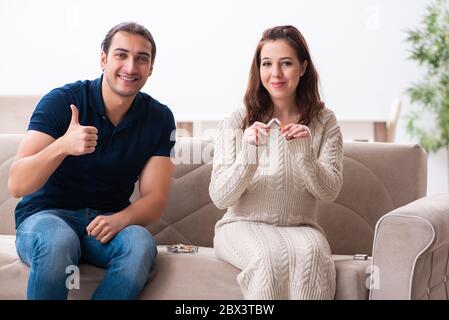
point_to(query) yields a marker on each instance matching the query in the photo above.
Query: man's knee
(136, 242)
(46, 235)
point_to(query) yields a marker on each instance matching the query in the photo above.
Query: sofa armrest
(407, 241)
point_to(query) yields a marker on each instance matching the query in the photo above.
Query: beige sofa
(377, 213)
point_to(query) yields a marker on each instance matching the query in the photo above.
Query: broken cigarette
(275, 120)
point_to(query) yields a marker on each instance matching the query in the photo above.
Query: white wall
(205, 49)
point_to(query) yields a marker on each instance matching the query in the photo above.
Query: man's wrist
(60, 147)
(125, 218)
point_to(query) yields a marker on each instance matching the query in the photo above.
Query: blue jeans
(52, 240)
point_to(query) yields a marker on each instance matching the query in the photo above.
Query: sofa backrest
(378, 178)
(9, 144)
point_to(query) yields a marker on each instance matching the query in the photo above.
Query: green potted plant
(430, 48)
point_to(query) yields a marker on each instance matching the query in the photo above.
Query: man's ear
(103, 60)
(304, 67)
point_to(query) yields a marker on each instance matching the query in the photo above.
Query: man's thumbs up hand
(78, 139)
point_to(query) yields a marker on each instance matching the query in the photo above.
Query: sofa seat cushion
(13, 273)
(192, 276)
(174, 276)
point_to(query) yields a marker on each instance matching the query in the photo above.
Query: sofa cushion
(174, 276)
(177, 274)
(13, 273)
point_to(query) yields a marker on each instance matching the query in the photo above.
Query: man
(87, 144)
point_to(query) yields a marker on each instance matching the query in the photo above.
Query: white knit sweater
(270, 229)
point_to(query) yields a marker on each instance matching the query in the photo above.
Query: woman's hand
(256, 134)
(294, 130)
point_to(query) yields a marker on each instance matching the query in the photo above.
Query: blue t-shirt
(103, 180)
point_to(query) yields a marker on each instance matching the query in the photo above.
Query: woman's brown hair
(259, 106)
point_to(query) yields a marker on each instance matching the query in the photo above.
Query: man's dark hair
(133, 28)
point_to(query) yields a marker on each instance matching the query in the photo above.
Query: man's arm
(154, 184)
(37, 158)
(39, 155)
